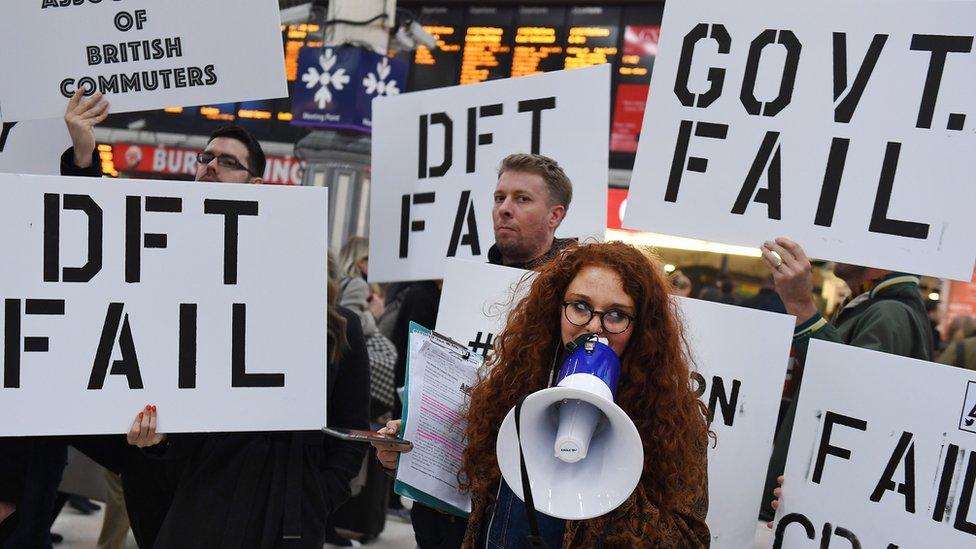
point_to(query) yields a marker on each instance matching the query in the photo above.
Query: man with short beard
(531, 199)
(884, 313)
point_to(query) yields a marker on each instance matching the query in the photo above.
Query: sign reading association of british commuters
(846, 126)
(436, 155)
(143, 54)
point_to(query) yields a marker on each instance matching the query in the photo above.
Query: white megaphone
(583, 455)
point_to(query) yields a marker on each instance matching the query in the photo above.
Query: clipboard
(417, 336)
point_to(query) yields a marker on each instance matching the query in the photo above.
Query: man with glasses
(231, 156)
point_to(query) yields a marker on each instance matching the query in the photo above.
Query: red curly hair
(654, 388)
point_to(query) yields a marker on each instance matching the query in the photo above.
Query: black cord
(355, 23)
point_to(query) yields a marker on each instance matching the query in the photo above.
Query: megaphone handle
(534, 538)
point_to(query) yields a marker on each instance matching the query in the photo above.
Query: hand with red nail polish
(143, 433)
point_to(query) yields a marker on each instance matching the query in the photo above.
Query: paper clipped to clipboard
(440, 373)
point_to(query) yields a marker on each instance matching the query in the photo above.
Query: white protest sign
(436, 155)
(846, 126)
(33, 147)
(740, 356)
(207, 300)
(143, 54)
(883, 453)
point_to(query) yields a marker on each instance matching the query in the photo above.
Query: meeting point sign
(206, 299)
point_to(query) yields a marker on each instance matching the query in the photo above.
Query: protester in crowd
(232, 154)
(885, 313)
(271, 489)
(615, 291)
(680, 284)
(532, 196)
(767, 299)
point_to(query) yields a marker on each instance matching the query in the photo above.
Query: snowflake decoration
(326, 79)
(377, 83)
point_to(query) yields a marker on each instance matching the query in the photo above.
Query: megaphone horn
(583, 455)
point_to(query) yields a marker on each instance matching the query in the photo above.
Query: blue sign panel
(336, 86)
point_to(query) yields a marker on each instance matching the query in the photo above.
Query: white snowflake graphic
(325, 79)
(377, 83)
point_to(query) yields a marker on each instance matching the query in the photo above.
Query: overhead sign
(337, 86)
(436, 155)
(739, 356)
(199, 298)
(142, 54)
(882, 453)
(178, 161)
(33, 147)
(845, 126)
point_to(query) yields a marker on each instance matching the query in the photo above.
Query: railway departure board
(487, 42)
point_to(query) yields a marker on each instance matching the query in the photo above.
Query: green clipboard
(402, 488)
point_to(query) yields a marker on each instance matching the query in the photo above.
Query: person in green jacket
(884, 313)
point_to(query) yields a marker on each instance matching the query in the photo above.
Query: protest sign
(841, 125)
(881, 453)
(436, 155)
(207, 300)
(739, 356)
(33, 147)
(144, 55)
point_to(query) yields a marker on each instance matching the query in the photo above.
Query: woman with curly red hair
(617, 292)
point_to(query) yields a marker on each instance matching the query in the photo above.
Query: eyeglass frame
(236, 166)
(601, 314)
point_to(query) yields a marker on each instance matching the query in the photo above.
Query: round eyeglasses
(580, 313)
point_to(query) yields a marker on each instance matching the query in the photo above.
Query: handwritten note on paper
(436, 411)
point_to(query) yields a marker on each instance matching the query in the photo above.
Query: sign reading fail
(739, 355)
(143, 54)
(436, 154)
(846, 126)
(196, 297)
(883, 453)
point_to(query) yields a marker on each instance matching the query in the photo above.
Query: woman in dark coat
(268, 489)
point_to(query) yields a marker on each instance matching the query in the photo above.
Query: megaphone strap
(534, 538)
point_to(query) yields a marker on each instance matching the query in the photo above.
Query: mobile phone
(355, 435)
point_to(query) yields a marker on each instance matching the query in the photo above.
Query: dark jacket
(271, 489)
(558, 244)
(890, 318)
(420, 303)
(68, 166)
(13, 467)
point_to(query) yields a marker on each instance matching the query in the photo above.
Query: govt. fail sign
(846, 126)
